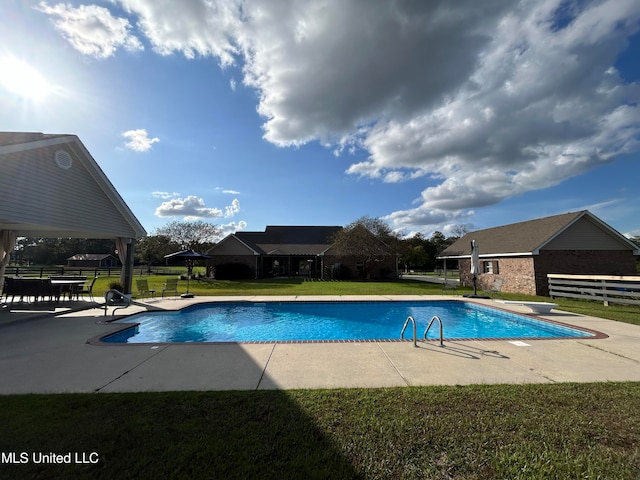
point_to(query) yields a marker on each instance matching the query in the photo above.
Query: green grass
(475, 432)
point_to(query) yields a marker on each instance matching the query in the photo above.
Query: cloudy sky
(429, 114)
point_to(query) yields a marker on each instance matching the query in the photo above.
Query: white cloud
(475, 101)
(165, 195)
(232, 209)
(91, 29)
(230, 192)
(231, 227)
(138, 140)
(192, 28)
(190, 207)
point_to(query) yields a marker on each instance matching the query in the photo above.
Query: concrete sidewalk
(49, 353)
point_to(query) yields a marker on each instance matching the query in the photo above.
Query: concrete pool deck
(43, 353)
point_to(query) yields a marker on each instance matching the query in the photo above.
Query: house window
(491, 267)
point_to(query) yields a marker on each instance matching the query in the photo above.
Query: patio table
(67, 286)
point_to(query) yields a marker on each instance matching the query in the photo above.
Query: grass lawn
(459, 432)
(474, 432)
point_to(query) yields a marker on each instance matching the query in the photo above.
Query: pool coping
(97, 340)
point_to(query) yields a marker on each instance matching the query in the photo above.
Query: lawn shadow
(157, 411)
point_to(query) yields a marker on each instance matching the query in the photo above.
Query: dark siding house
(95, 260)
(288, 251)
(516, 258)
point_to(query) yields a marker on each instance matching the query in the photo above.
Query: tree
(636, 240)
(153, 248)
(196, 235)
(366, 240)
(459, 231)
(55, 251)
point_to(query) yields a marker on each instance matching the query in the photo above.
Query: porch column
(126, 247)
(7, 244)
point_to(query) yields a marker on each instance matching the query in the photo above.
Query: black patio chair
(87, 288)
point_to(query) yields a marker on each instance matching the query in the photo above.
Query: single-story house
(94, 260)
(516, 258)
(290, 251)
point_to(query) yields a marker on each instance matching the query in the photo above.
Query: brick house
(516, 258)
(290, 251)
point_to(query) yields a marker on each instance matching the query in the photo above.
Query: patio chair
(495, 289)
(12, 287)
(449, 287)
(143, 288)
(170, 286)
(87, 288)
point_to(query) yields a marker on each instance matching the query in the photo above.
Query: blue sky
(428, 114)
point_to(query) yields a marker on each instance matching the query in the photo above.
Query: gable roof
(287, 240)
(527, 238)
(91, 256)
(51, 186)
(16, 138)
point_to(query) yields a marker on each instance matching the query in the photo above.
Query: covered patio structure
(50, 186)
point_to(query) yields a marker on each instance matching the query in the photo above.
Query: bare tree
(196, 235)
(366, 241)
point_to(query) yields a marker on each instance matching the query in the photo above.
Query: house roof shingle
(290, 240)
(522, 237)
(91, 256)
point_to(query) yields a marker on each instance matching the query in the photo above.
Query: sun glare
(21, 79)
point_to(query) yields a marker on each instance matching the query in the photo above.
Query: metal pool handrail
(406, 323)
(433, 319)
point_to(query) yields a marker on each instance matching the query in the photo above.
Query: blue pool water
(300, 321)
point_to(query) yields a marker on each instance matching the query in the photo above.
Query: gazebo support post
(128, 266)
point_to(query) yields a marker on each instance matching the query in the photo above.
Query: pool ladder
(413, 322)
(433, 319)
(406, 323)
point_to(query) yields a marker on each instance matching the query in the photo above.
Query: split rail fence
(602, 288)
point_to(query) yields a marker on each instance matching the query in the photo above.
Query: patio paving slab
(329, 365)
(197, 367)
(458, 363)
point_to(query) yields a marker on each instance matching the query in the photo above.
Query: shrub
(116, 286)
(340, 272)
(233, 271)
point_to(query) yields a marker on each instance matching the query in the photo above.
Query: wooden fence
(603, 288)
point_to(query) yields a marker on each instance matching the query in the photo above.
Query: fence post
(604, 293)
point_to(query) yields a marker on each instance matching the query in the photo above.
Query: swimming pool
(331, 321)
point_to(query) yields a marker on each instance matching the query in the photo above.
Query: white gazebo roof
(50, 186)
